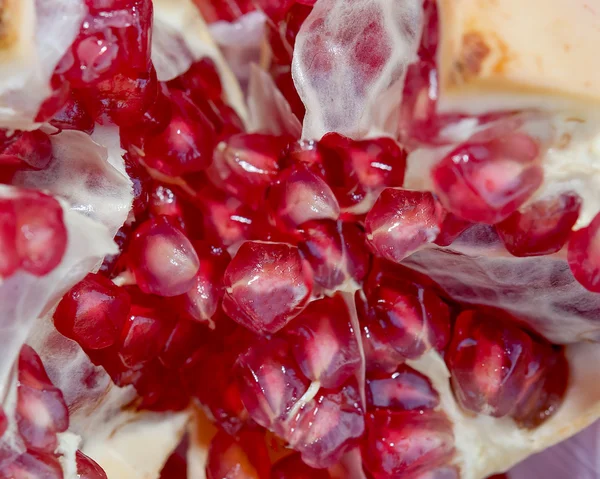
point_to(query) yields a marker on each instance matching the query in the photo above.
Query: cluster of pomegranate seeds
(41, 414)
(500, 370)
(244, 456)
(405, 435)
(32, 234)
(584, 255)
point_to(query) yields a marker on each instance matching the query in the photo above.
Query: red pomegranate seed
(122, 99)
(336, 252)
(141, 185)
(282, 34)
(73, 116)
(57, 99)
(227, 10)
(243, 457)
(270, 382)
(403, 319)
(184, 146)
(355, 169)
(451, 228)
(41, 233)
(32, 465)
(41, 409)
(9, 259)
(298, 196)
(406, 444)
(144, 336)
(404, 390)
(185, 338)
(500, 370)
(162, 259)
(541, 228)
(3, 422)
(87, 468)
(485, 182)
(267, 284)
(292, 467)
(246, 164)
(202, 300)
(584, 255)
(93, 312)
(31, 149)
(324, 342)
(401, 222)
(200, 81)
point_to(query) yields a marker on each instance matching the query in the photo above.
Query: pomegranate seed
(246, 164)
(401, 222)
(226, 10)
(406, 444)
(404, 390)
(73, 116)
(202, 300)
(141, 185)
(200, 81)
(144, 336)
(270, 382)
(41, 239)
(244, 457)
(451, 228)
(300, 196)
(542, 227)
(183, 341)
(31, 149)
(499, 370)
(267, 284)
(292, 467)
(87, 468)
(355, 169)
(283, 33)
(584, 255)
(41, 409)
(33, 465)
(404, 319)
(3, 422)
(162, 259)
(93, 312)
(336, 252)
(122, 99)
(324, 342)
(57, 99)
(184, 146)
(9, 259)
(485, 182)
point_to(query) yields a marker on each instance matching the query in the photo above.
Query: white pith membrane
(136, 444)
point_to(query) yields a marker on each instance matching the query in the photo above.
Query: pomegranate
(276, 240)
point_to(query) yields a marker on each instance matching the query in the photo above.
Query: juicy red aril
(31, 149)
(41, 409)
(144, 336)
(93, 312)
(203, 298)
(3, 422)
(300, 195)
(402, 221)
(41, 235)
(184, 146)
(404, 390)
(185, 338)
(87, 468)
(200, 81)
(541, 228)
(31, 465)
(406, 444)
(57, 99)
(162, 259)
(584, 255)
(243, 457)
(73, 116)
(292, 467)
(485, 182)
(114, 37)
(500, 370)
(267, 284)
(122, 99)
(9, 260)
(324, 343)
(246, 164)
(228, 10)
(355, 169)
(336, 252)
(141, 185)
(451, 228)
(401, 320)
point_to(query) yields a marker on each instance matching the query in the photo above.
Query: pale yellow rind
(516, 54)
(17, 22)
